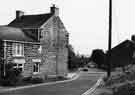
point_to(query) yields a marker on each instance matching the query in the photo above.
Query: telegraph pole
(109, 39)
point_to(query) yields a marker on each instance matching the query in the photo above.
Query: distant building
(37, 44)
(123, 53)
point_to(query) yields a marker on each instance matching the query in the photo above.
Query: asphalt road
(75, 87)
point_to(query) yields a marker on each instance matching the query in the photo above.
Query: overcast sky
(86, 20)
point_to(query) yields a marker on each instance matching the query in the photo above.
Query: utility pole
(109, 39)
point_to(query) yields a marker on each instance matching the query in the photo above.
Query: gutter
(21, 41)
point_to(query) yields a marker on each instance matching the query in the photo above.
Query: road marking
(89, 91)
(42, 84)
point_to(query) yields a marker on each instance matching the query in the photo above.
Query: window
(40, 34)
(19, 66)
(36, 67)
(18, 49)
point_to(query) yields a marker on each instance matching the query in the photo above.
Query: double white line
(88, 92)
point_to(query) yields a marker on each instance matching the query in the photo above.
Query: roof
(10, 33)
(125, 45)
(122, 53)
(30, 21)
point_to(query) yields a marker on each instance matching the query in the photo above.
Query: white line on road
(89, 91)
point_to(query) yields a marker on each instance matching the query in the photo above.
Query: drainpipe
(4, 69)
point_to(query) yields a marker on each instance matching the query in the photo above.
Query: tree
(98, 56)
(72, 59)
(75, 60)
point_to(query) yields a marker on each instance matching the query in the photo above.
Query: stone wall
(54, 47)
(30, 52)
(54, 54)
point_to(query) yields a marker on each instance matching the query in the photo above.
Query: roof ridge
(37, 14)
(32, 20)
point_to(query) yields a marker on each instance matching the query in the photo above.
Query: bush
(85, 69)
(61, 78)
(32, 80)
(116, 79)
(36, 80)
(27, 79)
(5, 82)
(127, 89)
(12, 76)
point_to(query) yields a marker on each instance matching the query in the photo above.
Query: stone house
(37, 44)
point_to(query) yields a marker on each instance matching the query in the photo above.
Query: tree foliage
(11, 76)
(72, 60)
(75, 60)
(99, 57)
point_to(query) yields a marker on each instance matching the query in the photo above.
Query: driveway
(76, 87)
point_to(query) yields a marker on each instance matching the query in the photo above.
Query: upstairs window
(40, 34)
(18, 49)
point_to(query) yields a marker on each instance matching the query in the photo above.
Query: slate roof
(10, 33)
(30, 21)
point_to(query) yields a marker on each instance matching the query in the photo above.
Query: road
(76, 87)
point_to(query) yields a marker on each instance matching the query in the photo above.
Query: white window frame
(40, 49)
(35, 72)
(18, 49)
(17, 66)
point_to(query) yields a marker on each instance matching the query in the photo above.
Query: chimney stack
(54, 10)
(19, 13)
(133, 38)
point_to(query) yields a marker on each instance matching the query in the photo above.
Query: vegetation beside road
(76, 61)
(120, 83)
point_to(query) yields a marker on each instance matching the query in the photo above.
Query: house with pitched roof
(122, 54)
(36, 44)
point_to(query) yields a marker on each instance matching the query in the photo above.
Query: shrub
(116, 79)
(61, 78)
(126, 89)
(11, 77)
(36, 80)
(85, 69)
(27, 79)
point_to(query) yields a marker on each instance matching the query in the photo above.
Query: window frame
(18, 49)
(18, 67)
(34, 68)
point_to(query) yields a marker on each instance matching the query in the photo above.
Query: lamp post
(109, 39)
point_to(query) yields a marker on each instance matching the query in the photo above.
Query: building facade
(37, 44)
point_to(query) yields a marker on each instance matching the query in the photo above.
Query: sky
(85, 20)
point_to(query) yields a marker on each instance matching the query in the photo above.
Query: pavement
(70, 76)
(82, 83)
